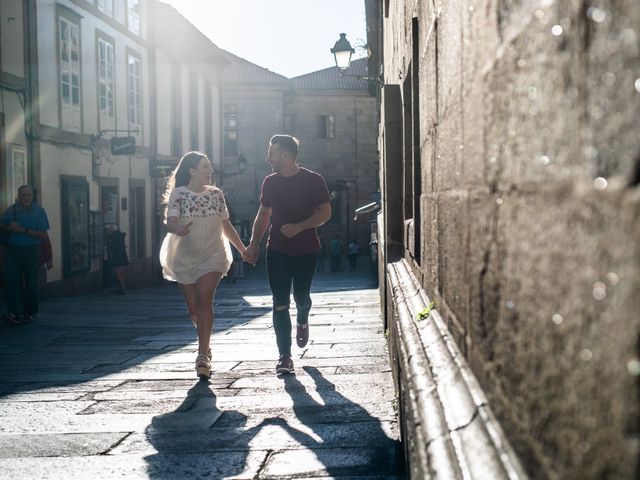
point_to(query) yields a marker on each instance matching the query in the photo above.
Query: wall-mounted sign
(123, 145)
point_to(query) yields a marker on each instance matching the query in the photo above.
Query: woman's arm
(173, 226)
(232, 236)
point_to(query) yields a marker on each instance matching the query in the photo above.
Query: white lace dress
(205, 249)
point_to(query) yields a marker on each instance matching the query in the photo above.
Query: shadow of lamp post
(241, 167)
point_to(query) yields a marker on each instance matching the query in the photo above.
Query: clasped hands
(289, 230)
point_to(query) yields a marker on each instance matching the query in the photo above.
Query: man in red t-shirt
(293, 201)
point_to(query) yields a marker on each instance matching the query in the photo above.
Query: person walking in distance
(26, 223)
(196, 252)
(353, 250)
(293, 202)
(335, 249)
(118, 258)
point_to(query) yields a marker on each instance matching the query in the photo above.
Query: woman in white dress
(195, 252)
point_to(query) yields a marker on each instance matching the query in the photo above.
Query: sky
(289, 37)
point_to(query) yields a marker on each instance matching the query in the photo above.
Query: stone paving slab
(112, 392)
(58, 444)
(277, 433)
(237, 465)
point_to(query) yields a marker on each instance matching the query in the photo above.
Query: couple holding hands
(196, 252)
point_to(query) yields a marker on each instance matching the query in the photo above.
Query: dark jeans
(282, 271)
(336, 263)
(21, 277)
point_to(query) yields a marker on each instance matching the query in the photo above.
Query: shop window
(75, 225)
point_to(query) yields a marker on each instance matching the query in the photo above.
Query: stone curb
(448, 430)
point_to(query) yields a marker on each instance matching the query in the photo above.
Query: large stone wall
(530, 209)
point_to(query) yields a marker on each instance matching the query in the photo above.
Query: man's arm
(260, 225)
(319, 217)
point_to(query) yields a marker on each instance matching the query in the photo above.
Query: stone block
(452, 268)
(610, 142)
(448, 152)
(449, 70)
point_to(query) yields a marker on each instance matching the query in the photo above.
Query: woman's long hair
(180, 176)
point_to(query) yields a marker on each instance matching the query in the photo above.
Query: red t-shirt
(291, 200)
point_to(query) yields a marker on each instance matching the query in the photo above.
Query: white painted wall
(49, 75)
(11, 37)
(163, 102)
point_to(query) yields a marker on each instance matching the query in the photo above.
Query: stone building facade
(510, 156)
(252, 111)
(74, 74)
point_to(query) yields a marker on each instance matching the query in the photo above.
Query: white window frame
(106, 84)
(134, 90)
(106, 7)
(18, 169)
(69, 59)
(133, 16)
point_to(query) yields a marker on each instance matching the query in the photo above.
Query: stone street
(103, 386)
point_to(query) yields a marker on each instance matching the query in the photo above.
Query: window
(193, 112)
(18, 169)
(106, 84)
(134, 85)
(288, 124)
(176, 111)
(106, 6)
(208, 119)
(69, 57)
(75, 225)
(136, 219)
(230, 130)
(326, 126)
(133, 16)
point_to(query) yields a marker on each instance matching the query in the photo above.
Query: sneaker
(285, 364)
(302, 334)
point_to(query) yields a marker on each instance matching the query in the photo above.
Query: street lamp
(342, 52)
(241, 164)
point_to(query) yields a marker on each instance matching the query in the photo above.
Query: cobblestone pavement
(103, 386)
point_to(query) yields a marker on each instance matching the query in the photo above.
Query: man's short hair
(22, 187)
(286, 142)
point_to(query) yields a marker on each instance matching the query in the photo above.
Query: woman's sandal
(203, 367)
(11, 319)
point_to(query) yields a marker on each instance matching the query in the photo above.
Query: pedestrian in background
(118, 259)
(293, 202)
(335, 250)
(195, 252)
(353, 250)
(26, 223)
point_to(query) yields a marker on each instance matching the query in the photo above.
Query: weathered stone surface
(241, 465)
(57, 445)
(330, 462)
(529, 153)
(140, 412)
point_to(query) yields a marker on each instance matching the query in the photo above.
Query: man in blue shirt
(27, 224)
